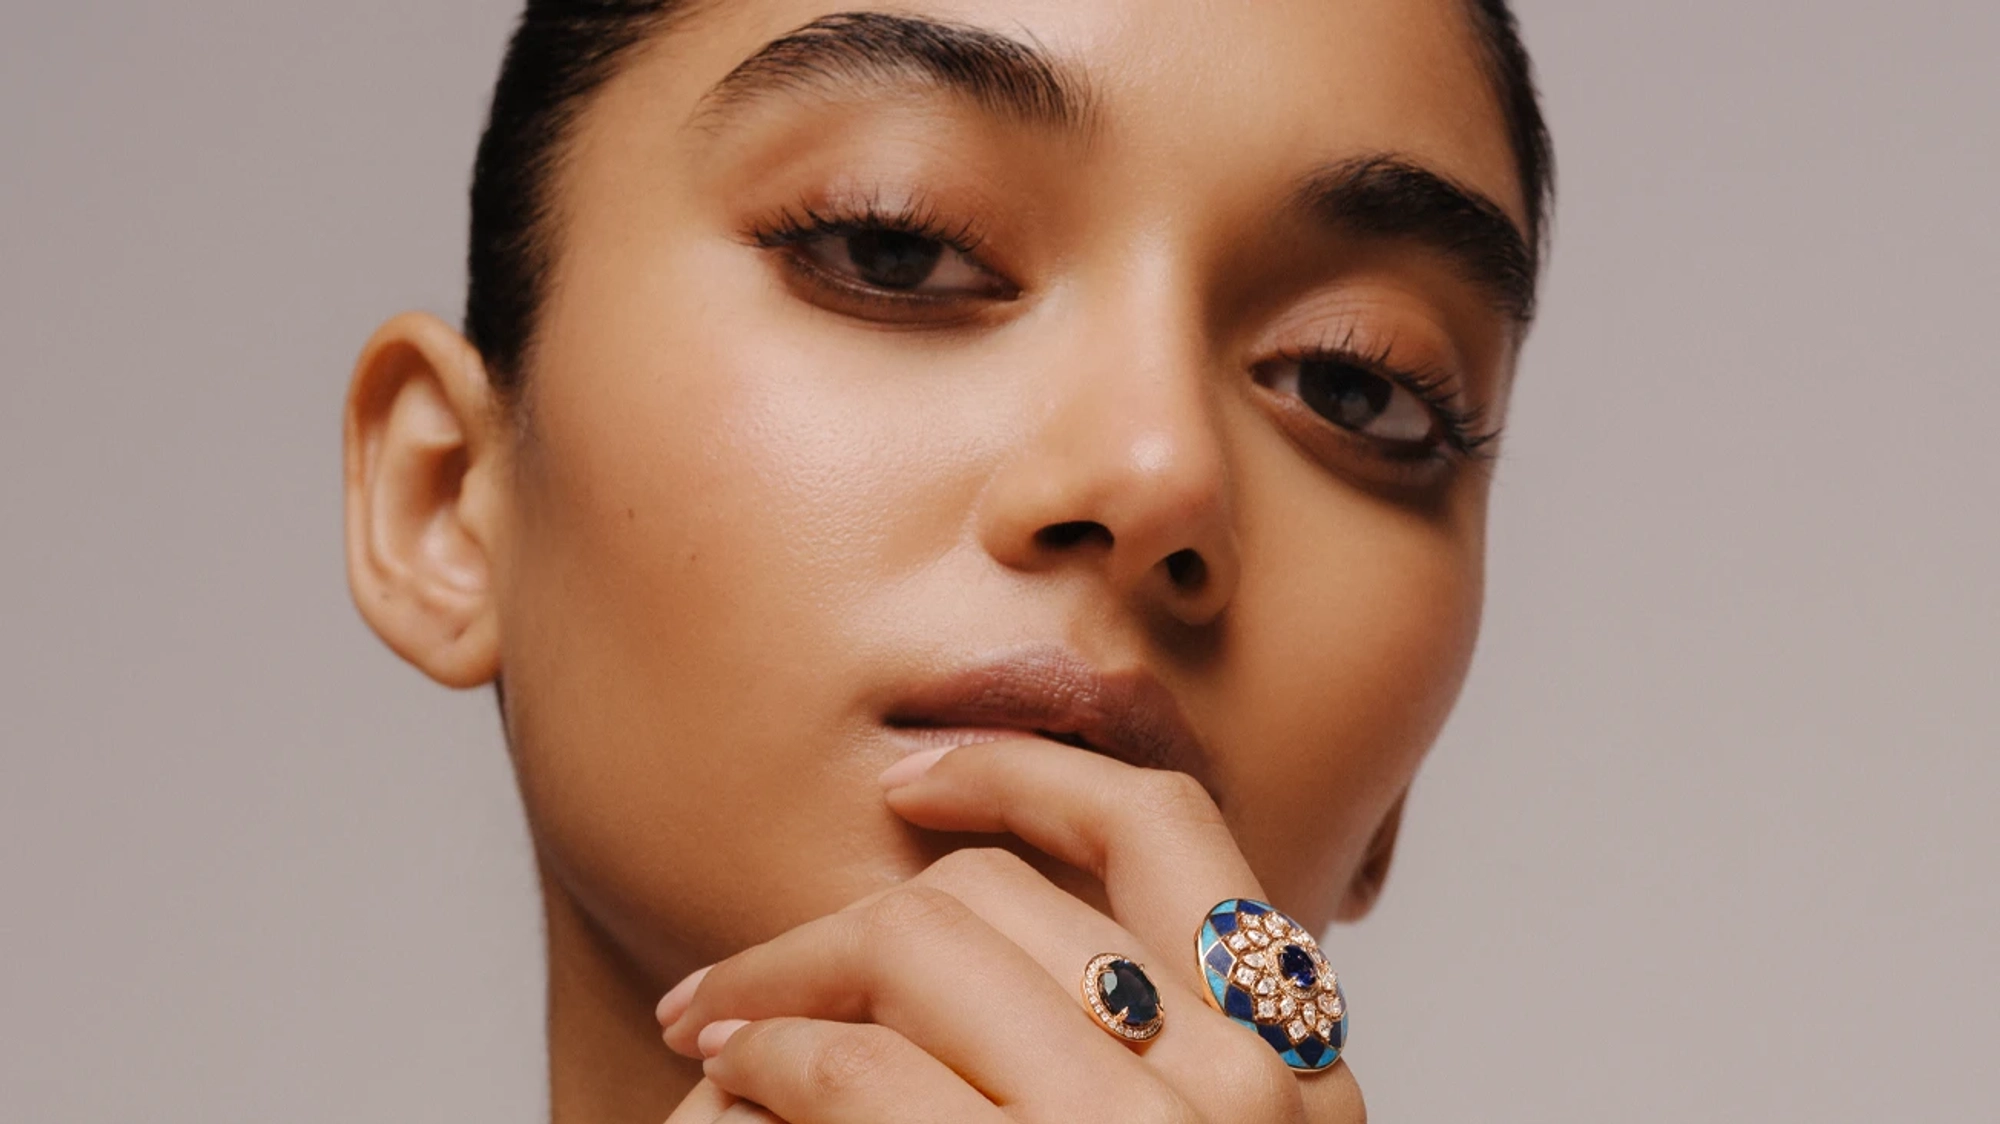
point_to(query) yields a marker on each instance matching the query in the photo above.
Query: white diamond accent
(1259, 938)
(1288, 1005)
(1266, 1009)
(1309, 1013)
(1325, 1029)
(1296, 1029)
(1238, 941)
(1255, 959)
(1267, 986)
(1245, 976)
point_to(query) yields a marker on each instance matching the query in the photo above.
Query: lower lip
(938, 737)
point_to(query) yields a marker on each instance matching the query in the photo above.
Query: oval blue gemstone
(1297, 963)
(1123, 987)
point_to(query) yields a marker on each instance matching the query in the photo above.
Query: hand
(953, 997)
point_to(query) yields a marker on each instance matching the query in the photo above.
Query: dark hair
(561, 53)
(564, 50)
(1513, 77)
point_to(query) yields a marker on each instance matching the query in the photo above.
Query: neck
(607, 1064)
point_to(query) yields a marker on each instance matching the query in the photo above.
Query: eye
(896, 260)
(1357, 398)
(886, 260)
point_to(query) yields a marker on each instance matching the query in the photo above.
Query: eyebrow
(847, 50)
(1384, 195)
(1381, 195)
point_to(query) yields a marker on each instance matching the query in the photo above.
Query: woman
(948, 492)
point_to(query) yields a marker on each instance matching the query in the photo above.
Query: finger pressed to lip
(909, 768)
(1155, 839)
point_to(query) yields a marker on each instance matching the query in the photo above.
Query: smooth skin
(738, 511)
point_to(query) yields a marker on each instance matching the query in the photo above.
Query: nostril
(1187, 569)
(1069, 534)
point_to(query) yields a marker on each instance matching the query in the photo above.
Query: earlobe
(425, 455)
(1373, 875)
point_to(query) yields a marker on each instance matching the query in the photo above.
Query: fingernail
(715, 1035)
(674, 1003)
(912, 767)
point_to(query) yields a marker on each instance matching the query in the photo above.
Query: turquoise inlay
(1219, 962)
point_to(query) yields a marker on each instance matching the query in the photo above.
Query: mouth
(1047, 691)
(1077, 740)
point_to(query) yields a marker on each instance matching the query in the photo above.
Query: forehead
(1227, 87)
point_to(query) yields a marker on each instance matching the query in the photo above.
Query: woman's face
(773, 479)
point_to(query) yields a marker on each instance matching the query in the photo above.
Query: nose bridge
(1127, 452)
(1143, 404)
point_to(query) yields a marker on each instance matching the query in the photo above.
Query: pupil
(1349, 396)
(893, 259)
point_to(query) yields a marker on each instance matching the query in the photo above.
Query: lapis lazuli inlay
(1266, 971)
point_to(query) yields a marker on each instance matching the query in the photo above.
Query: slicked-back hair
(563, 51)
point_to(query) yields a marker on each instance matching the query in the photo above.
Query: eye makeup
(1409, 421)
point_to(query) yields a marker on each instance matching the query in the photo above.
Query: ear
(1366, 888)
(426, 452)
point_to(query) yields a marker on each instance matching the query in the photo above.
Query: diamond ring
(1123, 1000)
(1266, 971)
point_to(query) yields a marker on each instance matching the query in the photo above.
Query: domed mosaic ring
(1266, 971)
(1121, 998)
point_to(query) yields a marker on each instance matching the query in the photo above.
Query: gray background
(1713, 835)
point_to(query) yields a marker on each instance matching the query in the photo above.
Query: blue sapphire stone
(1123, 987)
(1297, 963)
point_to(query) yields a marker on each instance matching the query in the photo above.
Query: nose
(1123, 466)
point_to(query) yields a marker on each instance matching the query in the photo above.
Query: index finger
(1154, 838)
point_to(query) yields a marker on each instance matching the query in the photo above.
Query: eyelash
(1465, 436)
(1464, 431)
(918, 219)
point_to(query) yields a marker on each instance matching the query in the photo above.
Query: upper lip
(1129, 714)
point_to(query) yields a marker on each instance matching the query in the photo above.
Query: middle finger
(919, 961)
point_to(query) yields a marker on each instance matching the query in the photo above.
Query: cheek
(701, 515)
(1356, 639)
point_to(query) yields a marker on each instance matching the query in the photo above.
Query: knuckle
(1176, 796)
(977, 866)
(849, 1058)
